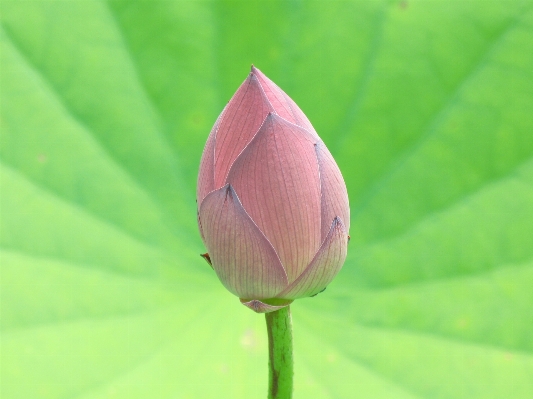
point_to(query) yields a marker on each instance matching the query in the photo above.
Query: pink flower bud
(272, 204)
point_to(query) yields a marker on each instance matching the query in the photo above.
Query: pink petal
(277, 179)
(242, 257)
(262, 307)
(206, 175)
(334, 193)
(242, 118)
(324, 267)
(282, 103)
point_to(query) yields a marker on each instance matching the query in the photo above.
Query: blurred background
(427, 107)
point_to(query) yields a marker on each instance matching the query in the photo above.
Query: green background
(427, 107)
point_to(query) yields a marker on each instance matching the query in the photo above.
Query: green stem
(279, 328)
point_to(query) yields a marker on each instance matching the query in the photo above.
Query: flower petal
(334, 193)
(262, 307)
(324, 267)
(206, 175)
(242, 118)
(282, 104)
(277, 179)
(242, 257)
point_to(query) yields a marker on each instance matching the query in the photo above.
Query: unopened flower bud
(272, 204)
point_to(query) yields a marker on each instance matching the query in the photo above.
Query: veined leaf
(428, 110)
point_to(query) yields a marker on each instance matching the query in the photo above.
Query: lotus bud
(272, 204)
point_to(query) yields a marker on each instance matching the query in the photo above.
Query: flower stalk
(280, 364)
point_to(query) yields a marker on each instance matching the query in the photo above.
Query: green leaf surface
(105, 107)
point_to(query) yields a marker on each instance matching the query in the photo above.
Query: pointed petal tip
(262, 307)
(338, 224)
(271, 118)
(281, 120)
(229, 191)
(207, 259)
(338, 221)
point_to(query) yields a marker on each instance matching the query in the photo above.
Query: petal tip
(207, 259)
(337, 222)
(229, 191)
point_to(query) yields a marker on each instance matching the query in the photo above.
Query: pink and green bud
(272, 204)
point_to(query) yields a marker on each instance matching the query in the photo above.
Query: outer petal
(334, 193)
(242, 257)
(282, 103)
(242, 118)
(206, 175)
(276, 177)
(262, 307)
(324, 267)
